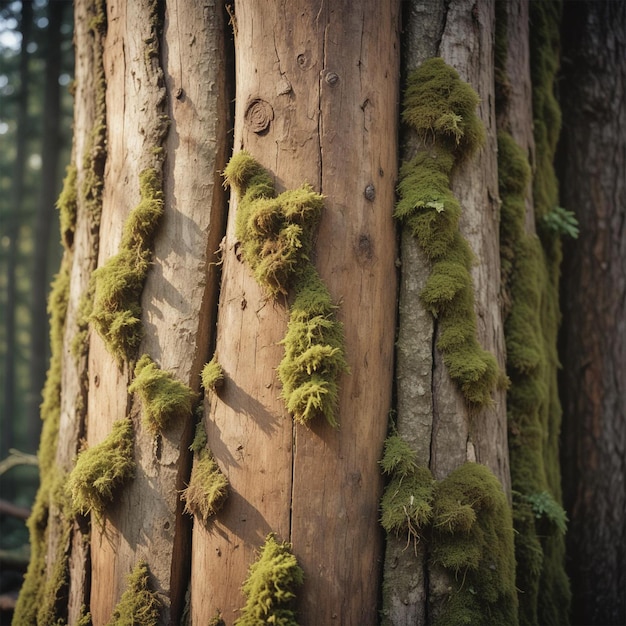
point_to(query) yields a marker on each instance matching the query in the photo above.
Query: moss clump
(407, 503)
(163, 398)
(270, 586)
(208, 487)
(276, 235)
(472, 536)
(67, 205)
(116, 313)
(139, 605)
(102, 469)
(441, 109)
(212, 375)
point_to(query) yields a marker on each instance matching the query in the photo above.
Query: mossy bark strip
(165, 71)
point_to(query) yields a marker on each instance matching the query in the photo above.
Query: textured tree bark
(594, 333)
(432, 415)
(185, 81)
(329, 75)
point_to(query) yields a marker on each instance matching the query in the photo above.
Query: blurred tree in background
(36, 69)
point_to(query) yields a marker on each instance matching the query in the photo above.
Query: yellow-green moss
(116, 313)
(139, 605)
(163, 397)
(270, 586)
(441, 109)
(85, 618)
(208, 487)
(35, 592)
(406, 505)
(67, 205)
(472, 537)
(212, 375)
(101, 470)
(276, 236)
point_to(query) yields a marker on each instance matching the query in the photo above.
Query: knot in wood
(370, 192)
(259, 115)
(332, 78)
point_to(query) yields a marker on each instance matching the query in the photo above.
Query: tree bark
(594, 334)
(330, 76)
(147, 521)
(432, 415)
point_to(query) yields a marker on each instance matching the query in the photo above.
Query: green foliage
(163, 397)
(406, 505)
(116, 313)
(139, 605)
(544, 506)
(472, 536)
(562, 222)
(270, 586)
(212, 375)
(441, 109)
(208, 487)
(276, 235)
(102, 469)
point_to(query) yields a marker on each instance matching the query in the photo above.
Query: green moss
(212, 375)
(270, 586)
(276, 236)
(531, 284)
(472, 537)
(441, 109)
(139, 605)
(116, 313)
(85, 618)
(101, 470)
(208, 487)
(406, 505)
(67, 205)
(163, 397)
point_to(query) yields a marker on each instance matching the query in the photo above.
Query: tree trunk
(432, 415)
(594, 338)
(329, 79)
(13, 231)
(45, 215)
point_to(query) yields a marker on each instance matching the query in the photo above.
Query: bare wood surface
(318, 487)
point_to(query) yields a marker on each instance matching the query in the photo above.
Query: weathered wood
(330, 76)
(146, 521)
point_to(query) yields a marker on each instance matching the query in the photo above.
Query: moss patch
(270, 586)
(441, 109)
(466, 524)
(212, 375)
(472, 536)
(102, 469)
(163, 397)
(407, 503)
(276, 236)
(67, 205)
(208, 487)
(139, 605)
(116, 313)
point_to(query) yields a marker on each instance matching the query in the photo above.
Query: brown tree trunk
(432, 415)
(594, 338)
(329, 75)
